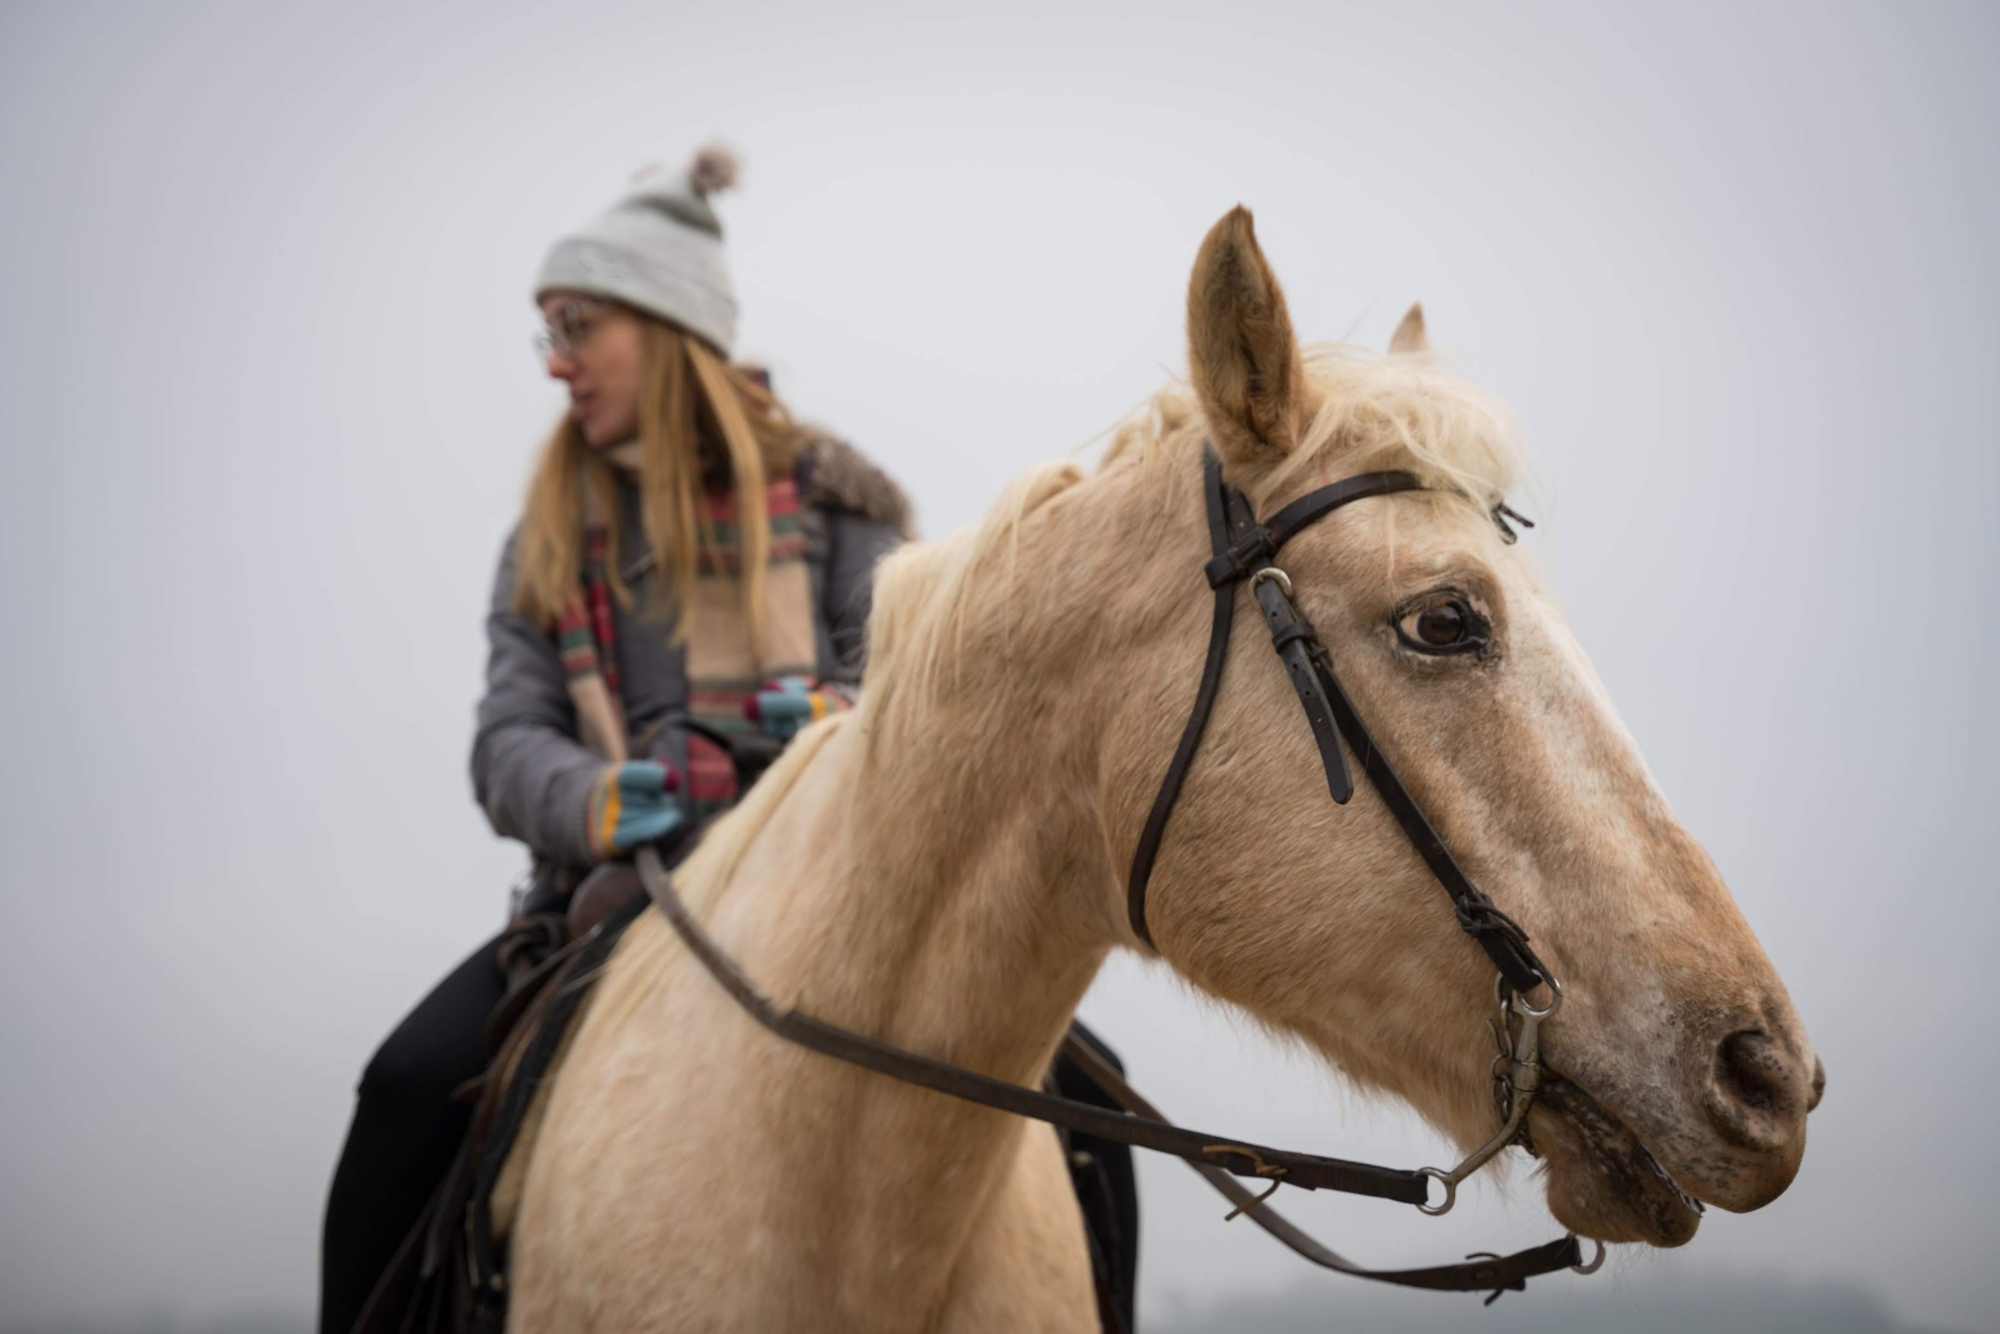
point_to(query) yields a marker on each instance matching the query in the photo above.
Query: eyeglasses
(567, 328)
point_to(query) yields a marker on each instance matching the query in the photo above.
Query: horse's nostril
(1755, 1070)
(1749, 1071)
(1818, 1084)
(1753, 1099)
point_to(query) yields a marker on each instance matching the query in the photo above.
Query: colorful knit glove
(632, 804)
(786, 706)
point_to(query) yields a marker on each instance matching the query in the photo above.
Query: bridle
(1243, 551)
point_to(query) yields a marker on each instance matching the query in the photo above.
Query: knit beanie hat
(659, 250)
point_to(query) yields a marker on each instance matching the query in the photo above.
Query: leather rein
(1243, 551)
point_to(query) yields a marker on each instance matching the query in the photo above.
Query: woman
(686, 552)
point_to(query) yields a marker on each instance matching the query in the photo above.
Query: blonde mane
(1375, 411)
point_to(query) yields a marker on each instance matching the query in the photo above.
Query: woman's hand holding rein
(633, 804)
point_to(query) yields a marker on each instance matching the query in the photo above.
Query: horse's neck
(940, 879)
(937, 898)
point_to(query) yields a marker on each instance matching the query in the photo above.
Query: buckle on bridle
(1482, 917)
(1251, 552)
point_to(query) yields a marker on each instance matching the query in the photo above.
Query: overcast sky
(267, 406)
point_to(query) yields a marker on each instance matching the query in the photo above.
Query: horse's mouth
(1603, 1181)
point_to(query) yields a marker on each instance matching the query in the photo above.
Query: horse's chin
(1602, 1181)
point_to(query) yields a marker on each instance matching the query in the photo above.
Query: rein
(1217, 1158)
(1243, 550)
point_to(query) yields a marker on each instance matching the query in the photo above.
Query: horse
(945, 867)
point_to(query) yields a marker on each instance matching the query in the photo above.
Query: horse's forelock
(1374, 412)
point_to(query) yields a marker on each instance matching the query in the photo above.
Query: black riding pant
(405, 1132)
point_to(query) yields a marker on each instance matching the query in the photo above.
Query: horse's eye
(1442, 627)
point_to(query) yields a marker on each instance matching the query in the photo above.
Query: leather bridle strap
(1477, 1274)
(1216, 1157)
(1503, 939)
(1243, 550)
(1306, 1170)
(1204, 703)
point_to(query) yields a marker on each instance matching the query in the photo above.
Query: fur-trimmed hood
(836, 475)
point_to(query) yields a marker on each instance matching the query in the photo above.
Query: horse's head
(1677, 1064)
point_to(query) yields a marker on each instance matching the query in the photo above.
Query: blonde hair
(689, 397)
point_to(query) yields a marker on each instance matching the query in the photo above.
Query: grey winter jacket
(530, 772)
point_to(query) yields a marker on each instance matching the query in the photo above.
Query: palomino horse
(944, 869)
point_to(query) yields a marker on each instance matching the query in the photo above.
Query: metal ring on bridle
(1450, 1184)
(1555, 998)
(1596, 1263)
(1284, 580)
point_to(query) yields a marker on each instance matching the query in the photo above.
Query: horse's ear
(1409, 335)
(1241, 352)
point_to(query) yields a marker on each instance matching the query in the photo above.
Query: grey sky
(266, 406)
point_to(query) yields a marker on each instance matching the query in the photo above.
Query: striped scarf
(724, 667)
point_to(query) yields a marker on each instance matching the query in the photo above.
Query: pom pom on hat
(714, 169)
